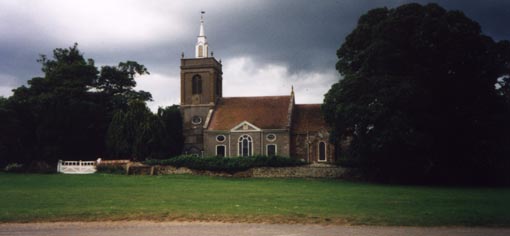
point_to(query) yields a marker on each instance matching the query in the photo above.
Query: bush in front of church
(226, 164)
(111, 169)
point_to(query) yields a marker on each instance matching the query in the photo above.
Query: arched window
(322, 151)
(245, 146)
(196, 84)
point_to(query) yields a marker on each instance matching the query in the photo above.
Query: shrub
(111, 169)
(14, 167)
(226, 164)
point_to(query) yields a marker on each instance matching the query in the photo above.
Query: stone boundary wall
(307, 171)
(299, 172)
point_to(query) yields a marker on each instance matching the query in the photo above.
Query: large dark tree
(418, 95)
(11, 134)
(172, 123)
(116, 84)
(137, 133)
(57, 109)
(65, 113)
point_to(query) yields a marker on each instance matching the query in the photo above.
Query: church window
(271, 150)
(271, 137)
(245, 146)
(220, 150)
(322, 151)
(220, 138)
(196, 84)
(196, 120)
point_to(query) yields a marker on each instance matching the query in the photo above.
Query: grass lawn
(56, 197)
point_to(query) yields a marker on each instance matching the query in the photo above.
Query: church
(214, 125)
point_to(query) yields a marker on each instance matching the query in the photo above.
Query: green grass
(27, 198)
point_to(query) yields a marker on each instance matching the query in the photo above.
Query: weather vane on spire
(202, 15)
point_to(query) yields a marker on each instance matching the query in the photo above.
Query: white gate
(76, 167)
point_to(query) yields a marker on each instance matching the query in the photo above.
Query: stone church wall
(259, 142)
(306, 147)
(282, 142)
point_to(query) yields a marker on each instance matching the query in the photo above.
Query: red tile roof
(264, 112)
(307, 118)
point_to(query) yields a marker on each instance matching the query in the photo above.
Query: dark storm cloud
(20, 46)
(302, 35)
(305, 35)
(493, 15)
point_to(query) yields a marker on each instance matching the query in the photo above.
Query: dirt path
(143, 228)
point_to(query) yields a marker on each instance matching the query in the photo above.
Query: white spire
(201, 48)
(202, 34)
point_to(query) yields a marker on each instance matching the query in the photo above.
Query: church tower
(201, 87)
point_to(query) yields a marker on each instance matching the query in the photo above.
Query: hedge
(111, 169)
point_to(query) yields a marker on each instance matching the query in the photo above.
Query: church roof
(269, 112)
(307, 118)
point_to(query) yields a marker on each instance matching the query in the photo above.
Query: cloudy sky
(265, 46)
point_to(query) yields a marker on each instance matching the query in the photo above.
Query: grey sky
(265, 46)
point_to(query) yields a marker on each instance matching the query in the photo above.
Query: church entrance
(193, 151)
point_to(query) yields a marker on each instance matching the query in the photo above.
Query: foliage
(103, 197)
(418, 92)
(11, 135)
(67, 112)
(125, 129)
(111, 169)
(172, 122)
(116, 83)
(14, 167)
(56, 110)
(226, 164)
(140, 134)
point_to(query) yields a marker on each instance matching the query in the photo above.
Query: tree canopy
(67, 113)
(420, 96)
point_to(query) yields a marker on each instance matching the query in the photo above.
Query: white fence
(77, 167)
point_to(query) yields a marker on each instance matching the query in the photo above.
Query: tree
(57, 109)
(418, 92)
(137, 133)
(172, 121)
(116, 84)
(11, 134)
(65, 114)
(76, 111)
(503, 85)
(124, 129)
